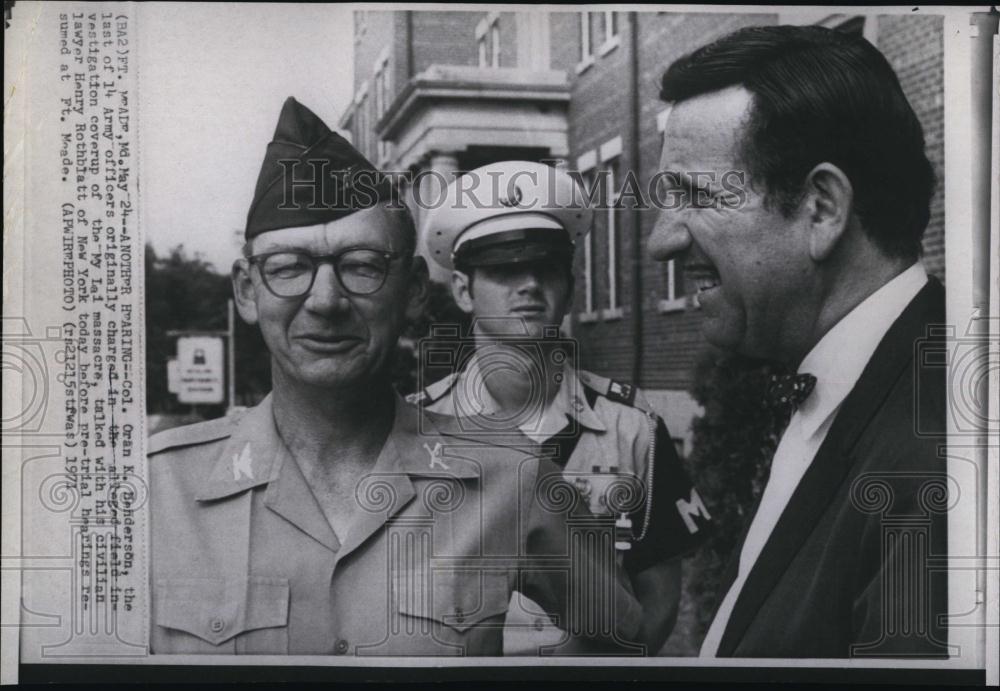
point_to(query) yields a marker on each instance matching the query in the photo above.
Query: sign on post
(201, 369)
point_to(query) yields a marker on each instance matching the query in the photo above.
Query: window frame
(611, 33)
(587, 56)
(610, 154)
(673, 301)
(380, 81)
(488, 41)
(586, 164)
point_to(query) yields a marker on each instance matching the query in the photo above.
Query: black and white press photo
(349, 341)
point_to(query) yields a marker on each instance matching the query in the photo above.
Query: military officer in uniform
(333, 518)
(507, 232)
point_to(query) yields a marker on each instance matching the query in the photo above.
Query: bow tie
(786, 392)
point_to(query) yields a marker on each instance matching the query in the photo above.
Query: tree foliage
(185, 293)
(726, 451)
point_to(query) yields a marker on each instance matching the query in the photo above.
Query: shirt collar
(416, 446)
(840, 356)
(255, 454)
(252, 456)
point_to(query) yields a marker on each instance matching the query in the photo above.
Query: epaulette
(434, 392)
(616, 391)
(189, 435)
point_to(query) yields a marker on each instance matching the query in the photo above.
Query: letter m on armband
(690, 508)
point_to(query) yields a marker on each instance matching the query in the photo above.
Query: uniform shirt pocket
(220, 616)
(458, 600)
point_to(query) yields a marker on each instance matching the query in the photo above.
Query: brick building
(450, 91)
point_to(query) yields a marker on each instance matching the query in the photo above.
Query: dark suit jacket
(850, 569)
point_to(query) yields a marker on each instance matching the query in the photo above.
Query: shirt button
(341, 646)
(216, 625)
(459, 615)
(539, 624)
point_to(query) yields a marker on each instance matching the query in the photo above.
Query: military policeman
(507, 232)
(333, 518)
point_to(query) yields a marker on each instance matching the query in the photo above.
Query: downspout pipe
(634, 168)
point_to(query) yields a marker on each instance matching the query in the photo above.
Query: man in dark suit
(798, 192)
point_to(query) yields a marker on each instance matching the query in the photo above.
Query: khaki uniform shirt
(619, 455)
(244, 561)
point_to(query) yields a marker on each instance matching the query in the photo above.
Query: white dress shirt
(836, 361)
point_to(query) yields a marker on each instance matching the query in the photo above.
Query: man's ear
(244, 291)
(461, 290)
(420, 288)
(829, 204)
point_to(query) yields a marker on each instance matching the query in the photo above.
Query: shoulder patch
(433, 392)
(188, 435)
(619, 392)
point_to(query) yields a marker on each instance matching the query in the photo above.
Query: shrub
(728, 449)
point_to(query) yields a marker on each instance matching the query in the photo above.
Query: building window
(586, 165)
(586, 49)
(362, 120)
(488, 40)
(611, 212)
(609, 32)
(610, 153)
(495, 42)
(382, 98)
(610, 26)
(673, 276)
(601, 176)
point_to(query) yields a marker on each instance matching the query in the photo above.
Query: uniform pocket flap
(459, 599)
(216, 609)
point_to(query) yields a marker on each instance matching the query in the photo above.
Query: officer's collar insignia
(249, 458)
(243, 464)
(436, 456)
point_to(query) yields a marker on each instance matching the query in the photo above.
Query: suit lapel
(826, 473)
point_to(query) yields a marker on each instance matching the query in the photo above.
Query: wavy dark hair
(820, 95)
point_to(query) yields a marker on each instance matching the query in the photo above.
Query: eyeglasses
(290, 273)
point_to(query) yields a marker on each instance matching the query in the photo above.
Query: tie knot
(786, 392)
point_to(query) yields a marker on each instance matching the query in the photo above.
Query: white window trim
(586, 50)
(661, 119)
(495, 44)
(481, 28)
(611, 41)
(673, 302)
(609, 151)
(362, 92)
(488, 35)
(609, 20)
(380, 88)
(612, 241)
(585, 163)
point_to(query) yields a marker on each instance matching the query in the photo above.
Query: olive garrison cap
(507, 213)
(310, 175)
